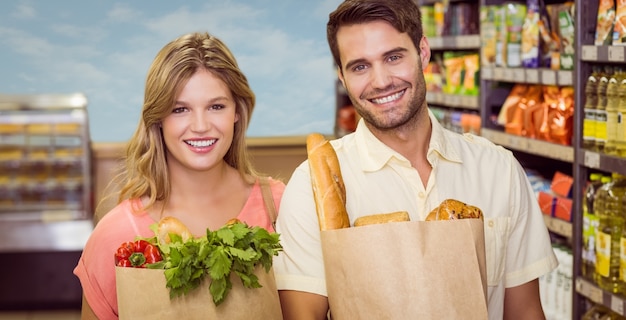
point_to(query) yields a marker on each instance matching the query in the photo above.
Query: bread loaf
(329, 191)
(171, 225)
(397, 216)
(450, 209)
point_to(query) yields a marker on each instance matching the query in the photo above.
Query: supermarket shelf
(602, 161)
(594, 293)
(463, 42)
(532, 146)
(453, 100)
(558, 226)
(603, 53)
(533, 76)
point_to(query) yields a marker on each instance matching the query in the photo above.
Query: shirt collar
(373, 154)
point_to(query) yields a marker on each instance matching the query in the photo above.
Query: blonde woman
(187, 159)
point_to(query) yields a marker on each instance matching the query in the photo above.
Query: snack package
(549, 41)
(506, 113)
(530, 36)
(470, 79)
(433, 76)
(428, 21)
(604, 25)
(454, 66)
(619, 29)
(488, 35)
(566, 29)
(501, 34)
(515, 14)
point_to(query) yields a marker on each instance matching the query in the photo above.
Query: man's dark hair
(403, 15)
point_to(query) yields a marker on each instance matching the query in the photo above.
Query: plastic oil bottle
(598, 207)
(591, 101)
(600, 132)
(609, 236)
(590, 225)
(621, 118)
(612, 103)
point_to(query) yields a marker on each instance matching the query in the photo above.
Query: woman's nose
(200, 122)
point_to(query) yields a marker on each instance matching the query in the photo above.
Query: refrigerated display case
(45, 197)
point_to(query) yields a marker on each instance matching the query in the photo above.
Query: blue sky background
(104, 48)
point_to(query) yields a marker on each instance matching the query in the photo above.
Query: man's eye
(359, 68)
(394, 58)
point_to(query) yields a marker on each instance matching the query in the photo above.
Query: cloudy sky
(103, 49)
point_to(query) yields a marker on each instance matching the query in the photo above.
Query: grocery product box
(555, 206)
(545, 202)
(562, 184)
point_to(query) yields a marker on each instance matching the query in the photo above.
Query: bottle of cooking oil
(612, 103)
(609, 237)
(591, 101)
(621, 117)
(602, 254)
(590, 225)
(600, 132)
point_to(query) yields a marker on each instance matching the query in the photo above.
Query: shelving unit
(582, 161)
(586, 160)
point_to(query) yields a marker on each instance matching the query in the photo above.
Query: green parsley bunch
(235, 247)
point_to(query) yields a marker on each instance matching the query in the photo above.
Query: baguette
(329, 192)
(397, 216)
(451, 209)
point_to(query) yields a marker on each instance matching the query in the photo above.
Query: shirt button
(490, 224)
(421, 195)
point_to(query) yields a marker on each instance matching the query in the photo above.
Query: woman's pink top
(96, 267)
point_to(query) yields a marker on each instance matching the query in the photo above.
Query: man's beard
(399, 115)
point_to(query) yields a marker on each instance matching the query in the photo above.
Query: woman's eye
(217, 107)
(178, 109)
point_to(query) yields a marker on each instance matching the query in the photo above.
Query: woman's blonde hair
(144, 171)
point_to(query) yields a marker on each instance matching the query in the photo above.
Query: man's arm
(298, 305)
(523, 302)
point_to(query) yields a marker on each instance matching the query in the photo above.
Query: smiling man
(401, 159)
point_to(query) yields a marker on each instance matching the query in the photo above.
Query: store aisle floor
(41, 315)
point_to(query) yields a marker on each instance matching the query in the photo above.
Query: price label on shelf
(519, 75)
(616, 53)
(509, 75)
(548, 77)
(592, 159)
(617, 304)
(486, 73)
(532, 76)
(590, 53)
(565, 78)
(589, 290)
(498, 73)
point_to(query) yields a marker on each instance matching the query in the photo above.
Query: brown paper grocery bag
(142, 294)
(407, 270)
